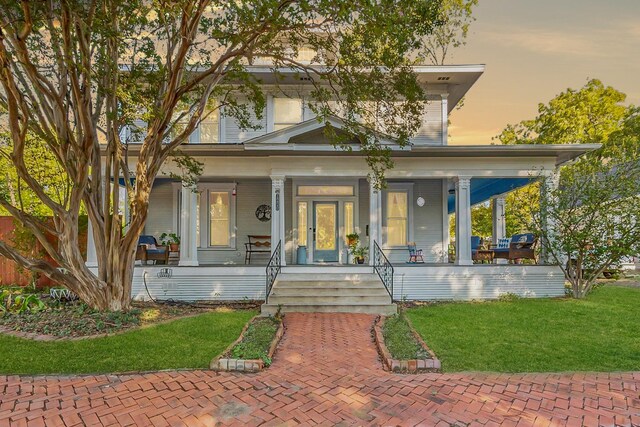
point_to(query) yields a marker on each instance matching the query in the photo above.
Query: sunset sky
(533, 50)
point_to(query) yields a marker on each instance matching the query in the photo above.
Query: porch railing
(273, 268)
(383, 267)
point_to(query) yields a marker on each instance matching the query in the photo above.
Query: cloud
(577, 42)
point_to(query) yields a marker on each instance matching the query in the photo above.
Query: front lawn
(599, 333)
(185, 343)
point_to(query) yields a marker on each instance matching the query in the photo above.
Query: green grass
(400, 340)
(599, 333)
(257, 340)
(185, 343)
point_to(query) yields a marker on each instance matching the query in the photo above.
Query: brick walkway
(326, 371)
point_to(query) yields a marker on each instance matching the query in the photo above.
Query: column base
(188, 263)
(91, 264)
(463, 262)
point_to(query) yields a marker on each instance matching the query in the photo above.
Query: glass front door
(325, 232)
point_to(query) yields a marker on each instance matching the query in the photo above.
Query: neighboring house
(318, 194)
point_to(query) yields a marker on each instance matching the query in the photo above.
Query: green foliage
(399, 339)
(169, 238)
(455, 17)
(595, 334)
(593, 215)
(17, 302)
(257, 340)
(42, 164)
(186, 343)
(588, 115)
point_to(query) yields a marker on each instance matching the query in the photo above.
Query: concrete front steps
(331, 292)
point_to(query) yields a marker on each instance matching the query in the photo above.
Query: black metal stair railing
(273, 268)
(383, 267)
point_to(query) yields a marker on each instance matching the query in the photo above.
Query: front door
(325, 231)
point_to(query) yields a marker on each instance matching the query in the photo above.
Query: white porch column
(277, 215)
(499, 229)
(463, 220)
(445, 118)
(188, 227)
(549, 184)
(92, 257)
(446, 238)
(375, 218)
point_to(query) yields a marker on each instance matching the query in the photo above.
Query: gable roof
(307, 135)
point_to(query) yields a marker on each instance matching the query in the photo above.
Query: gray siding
(430, 133)
(427, 222)
(448, 282)
(250, 195)
(363, 207)
(233, 133)
(161, 209)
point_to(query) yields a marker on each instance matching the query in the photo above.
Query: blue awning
(482, 189)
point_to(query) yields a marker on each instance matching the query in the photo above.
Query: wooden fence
(10, 272)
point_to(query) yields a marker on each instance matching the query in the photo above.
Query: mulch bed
(75, 320)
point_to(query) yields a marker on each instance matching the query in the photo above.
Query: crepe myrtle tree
(75, 73)
(588, 222)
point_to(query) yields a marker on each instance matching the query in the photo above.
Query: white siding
(199, 283)
(430, 133)
(427, 222)
(448, 282)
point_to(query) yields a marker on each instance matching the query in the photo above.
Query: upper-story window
(286, 112)
(208, 131)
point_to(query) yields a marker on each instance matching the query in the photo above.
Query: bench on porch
(256, 245)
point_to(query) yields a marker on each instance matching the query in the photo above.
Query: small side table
(174, 257)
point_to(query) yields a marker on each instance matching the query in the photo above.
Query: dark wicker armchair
(149, 250)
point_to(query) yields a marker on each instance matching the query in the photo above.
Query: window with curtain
(220, 218)
(302, 223)
(286, 112)
(397, 218)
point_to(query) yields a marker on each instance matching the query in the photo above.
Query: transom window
(286, 112)
(325, 190)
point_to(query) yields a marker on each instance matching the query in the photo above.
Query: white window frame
(274, 122)
(395, 187)
(340, 199)
(205, 190)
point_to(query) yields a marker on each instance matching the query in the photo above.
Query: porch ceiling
(482, 189)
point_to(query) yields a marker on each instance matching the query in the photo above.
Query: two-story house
(287, 185)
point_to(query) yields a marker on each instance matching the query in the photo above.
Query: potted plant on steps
(359, 253)
(172, 240)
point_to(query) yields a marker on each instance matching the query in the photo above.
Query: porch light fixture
(420, 201)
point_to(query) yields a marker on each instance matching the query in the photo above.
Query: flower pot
(360, 260)
(174, 247)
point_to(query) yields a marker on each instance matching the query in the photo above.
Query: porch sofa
(521, 246)
(149, 250)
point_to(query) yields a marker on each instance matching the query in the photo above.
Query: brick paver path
(327, 372)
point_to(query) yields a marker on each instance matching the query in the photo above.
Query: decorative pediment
(305, 135)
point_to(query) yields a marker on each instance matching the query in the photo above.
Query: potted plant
(353, 239)
(172, 240)
(359, 252)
